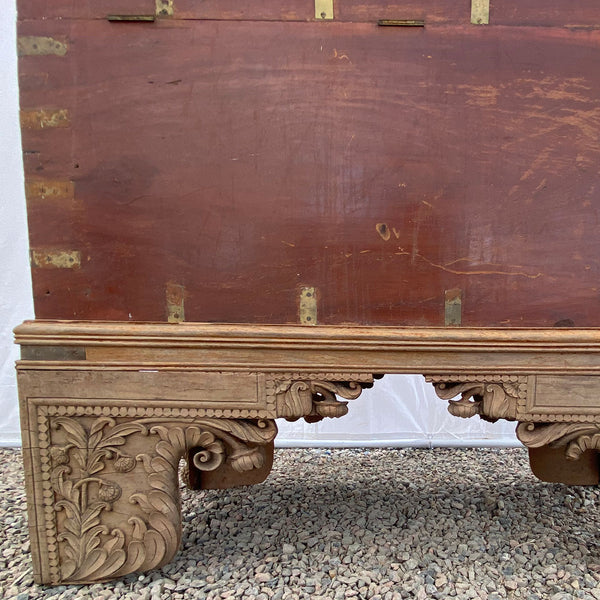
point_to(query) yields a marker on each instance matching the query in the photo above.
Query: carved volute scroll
(99, 469)
(314, 396)
(576, 438)
(490, 397)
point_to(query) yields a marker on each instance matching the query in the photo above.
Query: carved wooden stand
(109, 409)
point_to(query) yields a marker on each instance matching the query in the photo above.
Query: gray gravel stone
(337, 524)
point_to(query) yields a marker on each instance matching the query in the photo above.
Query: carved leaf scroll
(490, 397)
(315, 396)
(92, 474)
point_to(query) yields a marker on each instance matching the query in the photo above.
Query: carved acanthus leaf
(294, 399)
(471, 397)
(92, 473)
(575, 437)
(491, 398)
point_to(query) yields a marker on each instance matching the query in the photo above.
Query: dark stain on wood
(61, 353)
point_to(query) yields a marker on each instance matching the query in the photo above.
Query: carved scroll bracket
(314, 395)
(490, 397)
(576, 438)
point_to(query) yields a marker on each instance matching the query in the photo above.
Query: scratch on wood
(49, 190)
(446, 267)
(45, 118)
(55, 259)
(175, 302)
(32, 45)
(341, 56)
(554, 88)
(484, 95)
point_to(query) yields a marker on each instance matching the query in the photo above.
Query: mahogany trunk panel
(418, 179)
(243, 160)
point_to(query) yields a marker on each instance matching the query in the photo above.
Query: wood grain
(546, 13)
(310, 349)
(245, 174)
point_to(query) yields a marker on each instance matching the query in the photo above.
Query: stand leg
(551, 465)
(105, 501)
(562, 450)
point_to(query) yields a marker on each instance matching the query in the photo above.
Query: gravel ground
(381, 524)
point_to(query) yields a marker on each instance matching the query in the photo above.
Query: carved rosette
(102, 467)
(314, 396)
(490, 397)
(576, 438)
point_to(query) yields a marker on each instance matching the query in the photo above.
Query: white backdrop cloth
(398, 411)
(15, 292)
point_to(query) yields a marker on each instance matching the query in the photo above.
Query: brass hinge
(480, 12)
(453, 308)
(175, 302)
(308, 306)
(324, 10)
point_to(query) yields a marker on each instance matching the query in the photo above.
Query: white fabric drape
(15, 291)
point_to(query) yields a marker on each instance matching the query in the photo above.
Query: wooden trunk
(418, 180)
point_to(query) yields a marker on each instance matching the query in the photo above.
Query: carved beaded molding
(63, 407)
(87, 466)
(313, 395)
(492, 397)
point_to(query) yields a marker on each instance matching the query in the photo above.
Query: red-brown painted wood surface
(82, 9)
(244, 160)
(575, 13)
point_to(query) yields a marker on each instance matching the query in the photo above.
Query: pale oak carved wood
(110, 485)
(314, 396)
(508, 397)
(102, 470)
(491, 397)
(108, 409)
(576, 438)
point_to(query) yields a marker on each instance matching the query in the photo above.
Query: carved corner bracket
(506, 397)
(491, 397)
(314, 395)
(95, 468)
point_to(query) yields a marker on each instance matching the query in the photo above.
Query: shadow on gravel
(455, 515)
